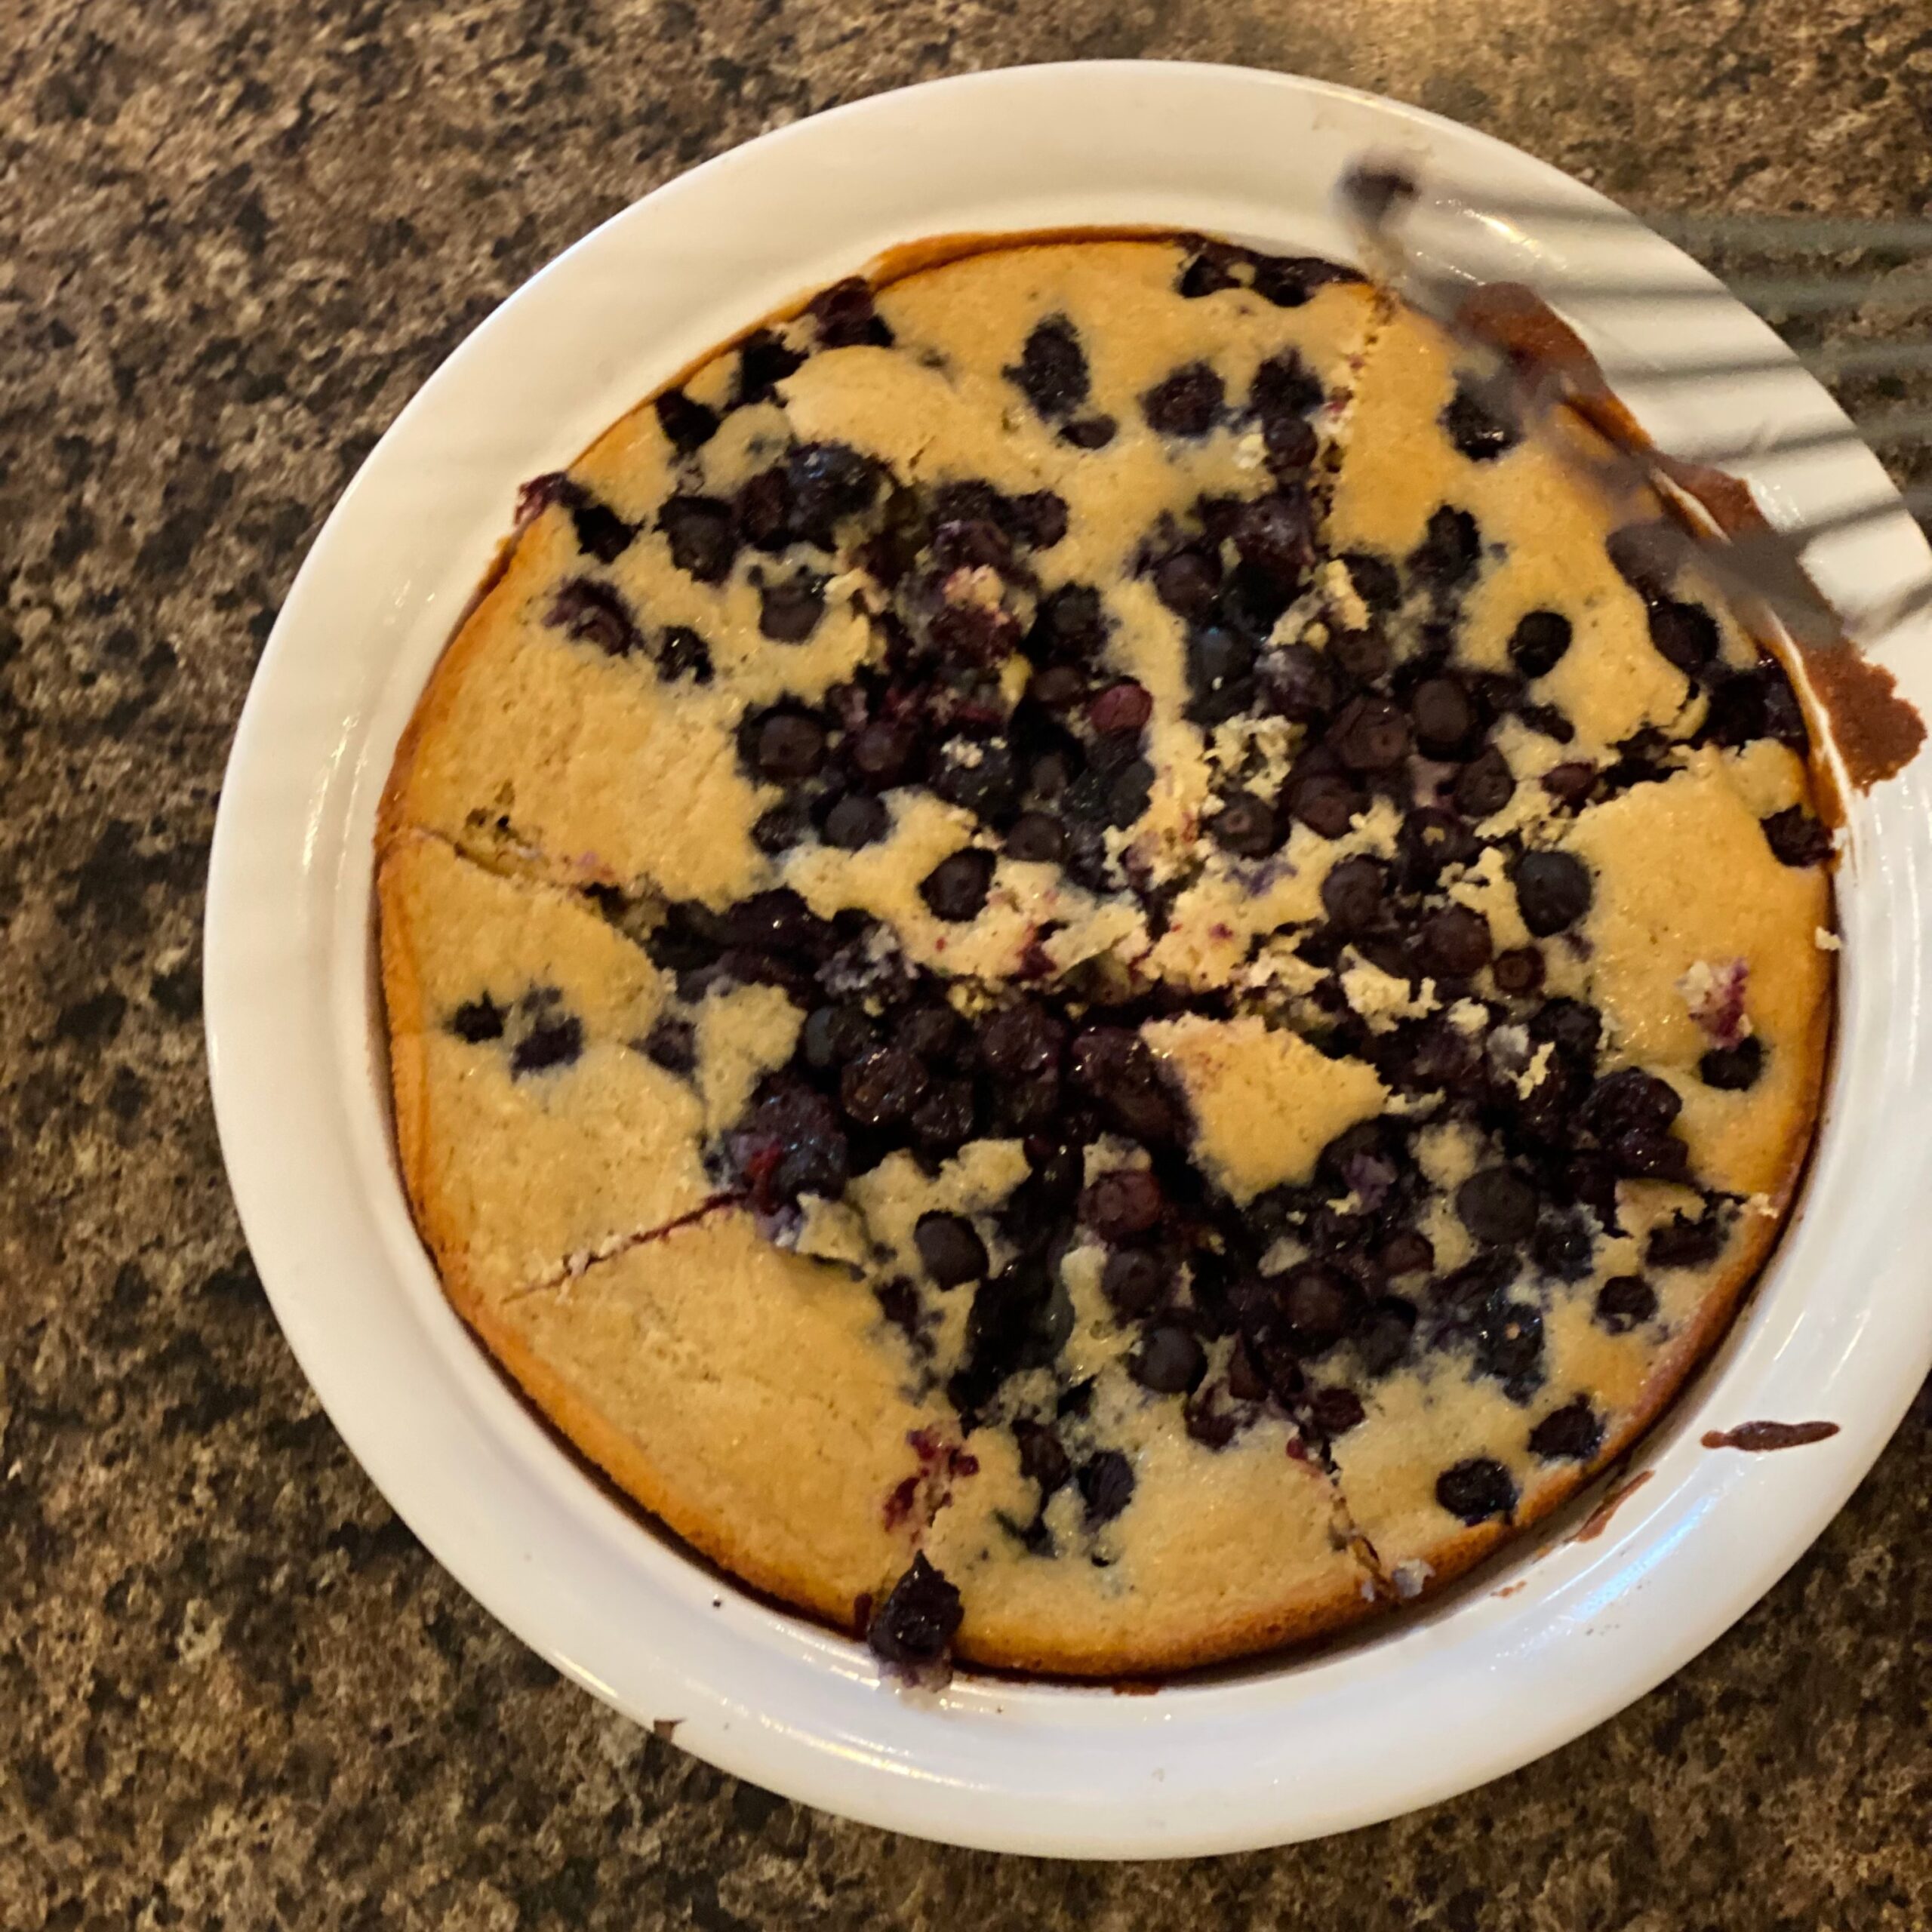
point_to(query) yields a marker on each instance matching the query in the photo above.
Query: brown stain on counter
(1756, 1437)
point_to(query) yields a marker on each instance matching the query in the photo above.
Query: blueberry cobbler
(1088, 969)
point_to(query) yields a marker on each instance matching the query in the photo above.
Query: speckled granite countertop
(237, 1693)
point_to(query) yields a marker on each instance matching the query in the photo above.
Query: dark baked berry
(932, 1031)
(975, 634)
(856, 820)
(476, 1020)
(1733, 1068)
(1299, 682)
(881, 750)
(1684, 634)
(1484, 786)
(1038, 837)
(1209, 270)
(594, 613)
(1188, 580)
(789, 610)
(1128, 791)
(1051, 373)
(986, 783)
(1443, 718)
(1452, 944)
(1405, 1252)
(1335, 1411)
(1107, 1484)
(1573, 1433)
(682, 653)
(828, 481)
(788, 747)
(1383, 1338)
(1518, 971)
(1682, 1243)
(687, 426)
(1629, 1100)
(1371, 734)
(846, 317)
(1043, 1460)
(763, 507)
(1318, 1304)
(1038, 519)
(1756, 703)
(950, 1248)
(1537, 644)
(703, 539)
(1059, 687)
(1352, 894)
(1169, 1360)
(1553, 890)
(913, 1627)
(1377, 582)
(1497, 1206)
(1132, 1280)
(1185, 403)
(671, 1043)
(1219, 662)
(1090, 432)
(1646, 556)
(550, 1043)
(1570, 784)
(1477, 1490)
(1480, 425)
(956, 887)
(1125, 706)
(1447, 555)
(1245, 826)
(1325, 803)
(1289, 280)
(764, 359)
(1115, 1065)
(833, 1034)
(944, 1119)
(1276, 534)
(1020, 1040)
(781, 828)
(1797, 838)
(1571, 1026)
(1122, 1205)
(1563, 1248)
(1624, 1302)
(882, 1086)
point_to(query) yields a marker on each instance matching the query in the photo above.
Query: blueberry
(833, 1034)
(1733, 1068)
(1090, 432)
(788, 747)
(1169, 1360)
(951, 1249)
(1188, 580)
(1352, 894)
(1209, 270)
(1276, 534)
(550, 1043)
(1299, 682)
(1128, 792)
(1051, 372)
(915, 1624)
(955, 889)
(882, 1086)
(1072, 624)
(1037, 519)
(1476, 1490)
(781, 828)
(1319, 1304)
(1537, 644)
(1571, 784)
(1107, 1485)
(1497, 1206)
(944, 1119)
(1682, 1243)
(1132, 1280)
(702, 538)
(789, 609)
(1797, 838)
(1371, 734)
(671, 1043)
(1518, 971)
(1553, 890)
(1335, 1411)
(1447, 554)
(1245, 826)
(687, 426)
(1684, 634)
(1563, 1248)
(764, 359)
(682, 653)
(1453, 942)
(1289, 280)
(1479, 424)
(1624, 1302)
(1573, 1433)
(594, 613)
(932, 1031)
(1043, 1460)
(476, 1020)
(1325, 803)
(828, 482)
(881, 750)
(1185, 404)
(1405, 1252)
(1022, 1039)
(1039, 837)
(858, 820)
(1123, 1205)
(1484, 786)
(846, 317)
(1443, 718)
